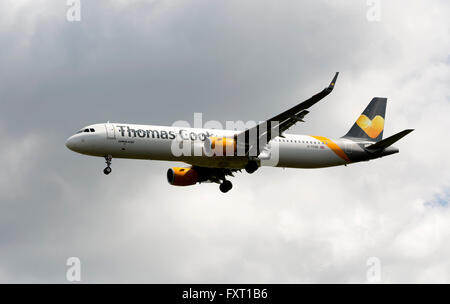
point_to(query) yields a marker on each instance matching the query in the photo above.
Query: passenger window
(92, 130)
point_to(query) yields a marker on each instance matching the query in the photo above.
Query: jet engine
(182, 176)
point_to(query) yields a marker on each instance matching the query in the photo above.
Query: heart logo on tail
(372, 127)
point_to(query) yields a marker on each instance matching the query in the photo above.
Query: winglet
(333, 82)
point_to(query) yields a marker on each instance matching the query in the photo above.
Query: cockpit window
(87, 130)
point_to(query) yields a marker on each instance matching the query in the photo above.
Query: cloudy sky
(156, 62)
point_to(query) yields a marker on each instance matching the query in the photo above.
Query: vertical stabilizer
(370, 124)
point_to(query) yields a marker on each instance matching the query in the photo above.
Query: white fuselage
(132, 141)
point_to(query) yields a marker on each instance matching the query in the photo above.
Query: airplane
(224, 152)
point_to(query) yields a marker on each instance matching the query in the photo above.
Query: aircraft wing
(214, 175)
(281, 122)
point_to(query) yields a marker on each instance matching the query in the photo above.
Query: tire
(225, 186)
(251, 167)
(222, 188)
(107, 170)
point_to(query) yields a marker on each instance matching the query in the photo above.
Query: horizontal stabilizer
(383, 144)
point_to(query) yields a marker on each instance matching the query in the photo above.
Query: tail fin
(370, 124)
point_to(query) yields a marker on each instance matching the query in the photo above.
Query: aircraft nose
(70, 143)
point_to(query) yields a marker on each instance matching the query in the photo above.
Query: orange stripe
(334, 147)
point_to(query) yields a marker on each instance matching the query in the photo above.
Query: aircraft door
(348, 147)
(110, 131)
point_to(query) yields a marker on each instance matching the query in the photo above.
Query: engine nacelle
(220, 146)
(182, 176)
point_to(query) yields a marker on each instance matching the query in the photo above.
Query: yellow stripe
(334, 147)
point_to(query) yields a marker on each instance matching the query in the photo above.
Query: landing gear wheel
(108, 169)
(225, 186)
(251, 167)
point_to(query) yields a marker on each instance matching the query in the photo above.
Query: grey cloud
(159, 61)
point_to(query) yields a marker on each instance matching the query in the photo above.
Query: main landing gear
(251, 167)
(225, 186)
(108, 169)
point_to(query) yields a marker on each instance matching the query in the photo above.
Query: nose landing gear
(108, 169)
(225, 186)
